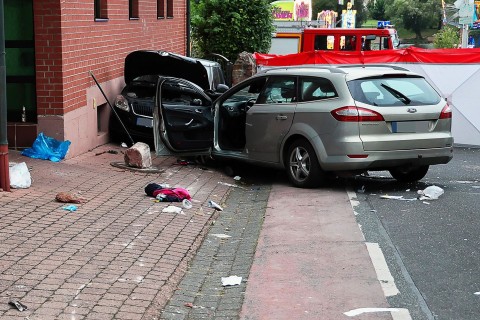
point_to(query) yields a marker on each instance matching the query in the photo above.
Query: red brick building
(53, 45)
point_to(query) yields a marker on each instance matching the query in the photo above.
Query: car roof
(350, 72)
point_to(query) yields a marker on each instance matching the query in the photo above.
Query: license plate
(410, 126)
(145, 122)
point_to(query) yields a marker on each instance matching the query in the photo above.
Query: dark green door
(20, 60)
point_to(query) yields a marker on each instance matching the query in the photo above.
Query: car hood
(145, 62)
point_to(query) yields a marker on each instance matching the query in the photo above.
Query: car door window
(279, 90)
(179, 93)
(317, 89)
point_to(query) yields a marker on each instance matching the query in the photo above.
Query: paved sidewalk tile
(118, 256)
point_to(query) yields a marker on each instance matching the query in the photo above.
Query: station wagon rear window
(393, 91)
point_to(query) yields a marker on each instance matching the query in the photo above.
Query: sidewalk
(118, 256)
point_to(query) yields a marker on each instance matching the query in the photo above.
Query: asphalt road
(431, 247)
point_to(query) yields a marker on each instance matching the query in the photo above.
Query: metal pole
(4, 171)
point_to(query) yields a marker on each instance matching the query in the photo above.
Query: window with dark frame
(169, 8)
(160, 8)
(100, 8)
(133, 9)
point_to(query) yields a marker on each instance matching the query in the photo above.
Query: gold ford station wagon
(313, 122)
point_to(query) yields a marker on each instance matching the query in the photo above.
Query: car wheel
(409, 174)
(303, 168)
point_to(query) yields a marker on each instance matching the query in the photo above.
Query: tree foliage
(376, 9)
(231, 27)
(413, 15)
(447, 37)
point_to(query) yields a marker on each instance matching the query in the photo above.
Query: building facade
(53, 47)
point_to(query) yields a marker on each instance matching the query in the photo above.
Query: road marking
(381, 268)
(397, 313)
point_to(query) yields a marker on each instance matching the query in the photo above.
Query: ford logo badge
(411, 110)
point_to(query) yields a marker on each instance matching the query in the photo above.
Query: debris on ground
(237, 178)
(231, 281)
(221, 235)
(107, 151)
(430, 193)
(70, 208)
(47, 148)
(138, 156)
(173, 209)
(187, 204)
(19, 175)
(164, 193)
(188, 305)
(214, 205)
(397, 198)
(230, 185)
(66, 197)
(182, 162)
(17, 304)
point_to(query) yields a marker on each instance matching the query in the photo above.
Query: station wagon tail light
(446, 112)
(356, 114)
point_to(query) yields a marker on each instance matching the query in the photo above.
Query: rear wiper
(397, 94)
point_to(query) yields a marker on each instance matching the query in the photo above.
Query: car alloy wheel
(303, 168)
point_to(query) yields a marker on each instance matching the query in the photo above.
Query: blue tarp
(47, 148)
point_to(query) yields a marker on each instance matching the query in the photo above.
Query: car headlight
(122, 103)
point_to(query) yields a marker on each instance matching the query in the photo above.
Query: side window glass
(179, 93)
(348, 43)
(317, 89)
(251, 91)
(279, 90)
(324, 42)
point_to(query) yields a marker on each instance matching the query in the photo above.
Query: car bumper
(382, 160)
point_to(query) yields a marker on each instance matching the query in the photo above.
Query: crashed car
(134, 105)
(313, 122)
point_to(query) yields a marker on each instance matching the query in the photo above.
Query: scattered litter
(373, 210)
(107, 151)
(221, 235)
(124, 145)
(465, 182)
(476, 187)
(68, 198)
(397, 198)
(477, 293)
(188, 305)
(361, 190)
(230, 185)
(165, 193)
(425, 202)
(19, 175)
(408, 190)
(17, 304)
(231, 281)
(70, 208)
(237, 178)
(47, 148)
(187, 204)
(214, 205)
(181, 162)
(430, 193)
(173, 209)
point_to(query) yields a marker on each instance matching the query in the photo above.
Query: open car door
(182, 119)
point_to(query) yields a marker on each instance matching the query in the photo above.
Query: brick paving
(118, 256)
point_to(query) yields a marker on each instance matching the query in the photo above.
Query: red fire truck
(335, 39)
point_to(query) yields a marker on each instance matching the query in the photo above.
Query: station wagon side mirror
(221, 88)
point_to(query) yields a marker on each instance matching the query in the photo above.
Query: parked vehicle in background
(312, 122)
(289, 41)
(134, 105)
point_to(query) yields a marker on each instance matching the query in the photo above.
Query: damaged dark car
(134, 106)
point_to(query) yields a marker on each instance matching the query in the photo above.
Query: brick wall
(69, 43)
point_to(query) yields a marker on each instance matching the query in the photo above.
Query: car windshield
(393, 91)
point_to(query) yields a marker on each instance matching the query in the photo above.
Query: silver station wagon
(314, 122)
